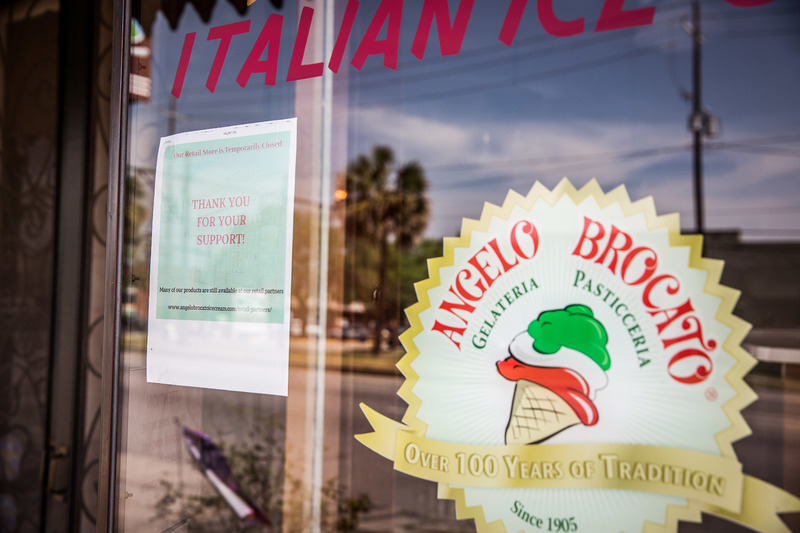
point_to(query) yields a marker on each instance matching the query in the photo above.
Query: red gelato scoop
(568, 384)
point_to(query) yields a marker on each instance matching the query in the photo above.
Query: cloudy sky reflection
(611, 106)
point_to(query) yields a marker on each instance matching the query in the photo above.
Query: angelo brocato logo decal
(574, 365)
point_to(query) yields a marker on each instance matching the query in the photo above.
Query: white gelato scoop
(521, 348)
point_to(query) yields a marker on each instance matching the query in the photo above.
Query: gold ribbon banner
(715, 482)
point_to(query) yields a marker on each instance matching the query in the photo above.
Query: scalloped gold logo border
(756, 497)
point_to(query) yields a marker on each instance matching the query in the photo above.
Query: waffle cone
(537, 413)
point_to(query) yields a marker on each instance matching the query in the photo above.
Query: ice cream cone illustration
(537, 413)
(558, 364)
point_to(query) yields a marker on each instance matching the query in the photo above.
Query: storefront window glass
(409, 117)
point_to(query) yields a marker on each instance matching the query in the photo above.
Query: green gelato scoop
(574, 327)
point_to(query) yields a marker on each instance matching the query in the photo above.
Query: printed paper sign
(220, 269)
(573, 365)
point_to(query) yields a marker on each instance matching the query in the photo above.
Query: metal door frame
(107, 482)
(61, 471)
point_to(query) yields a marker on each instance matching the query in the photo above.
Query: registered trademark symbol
(711, 394)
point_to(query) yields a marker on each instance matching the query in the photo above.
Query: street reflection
(367, 494)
